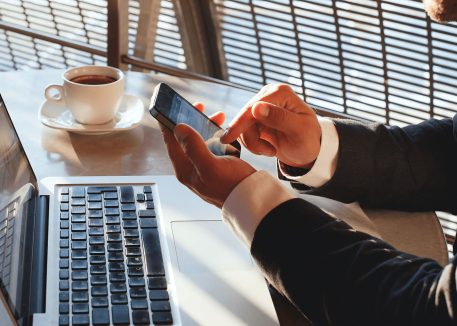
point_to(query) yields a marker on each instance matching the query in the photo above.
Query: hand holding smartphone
(170, 109)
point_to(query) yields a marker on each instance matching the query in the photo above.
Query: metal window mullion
(33, 39)
(8, 45)
(384, 61)
(257, 37)
(297, 43)
(340, 54)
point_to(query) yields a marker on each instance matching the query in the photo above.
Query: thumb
(194, 147)
(276, 117)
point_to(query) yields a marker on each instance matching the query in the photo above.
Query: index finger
(242, 122)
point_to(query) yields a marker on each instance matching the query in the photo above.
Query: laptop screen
(17, 191)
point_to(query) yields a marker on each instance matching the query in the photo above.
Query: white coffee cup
(92, 93)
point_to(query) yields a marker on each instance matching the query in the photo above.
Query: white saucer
(58, 116)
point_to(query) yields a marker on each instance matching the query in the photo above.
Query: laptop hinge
(39, 256)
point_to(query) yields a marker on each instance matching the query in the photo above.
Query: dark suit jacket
(338, 276)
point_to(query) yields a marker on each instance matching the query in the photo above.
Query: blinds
(378, 60)
(77, 20)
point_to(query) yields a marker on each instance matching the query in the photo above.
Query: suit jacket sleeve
(410, 168)
(338, 276)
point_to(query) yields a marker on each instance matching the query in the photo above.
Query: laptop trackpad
(208, 246)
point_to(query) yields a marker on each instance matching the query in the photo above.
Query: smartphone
(170, 109)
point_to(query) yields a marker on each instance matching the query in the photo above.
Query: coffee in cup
(92, 93)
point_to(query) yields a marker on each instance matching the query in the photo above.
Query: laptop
(117, 251)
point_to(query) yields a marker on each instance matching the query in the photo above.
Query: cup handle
(57, 97)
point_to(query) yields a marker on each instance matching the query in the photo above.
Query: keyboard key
(139, 304)
(140, 317)
(160, 306)
(138, 293)
(64, 308)
(77, 192)
(132, 242)
(96, 222)
(116, 277)
(127, 194)
(94, 205)
(131, 233)
(146, 213)
(111, 211)
(64, 274)
(96, 240)
(78, 210)
(99, 302)
(100, 316)
(115, 256)
(64, 234)
(64, 296)
(157, 283)
(100, 189)
(149, 204)
(64, 320)
(149, 196)
(78, 236)
(114, 237)
(116, 267)
(79, 254)
(79, 275)
(116, 228)
(140, 198)
(64, 215)
(148, 223)
(128, 207)
(134, 261)
(152, 252)
(78, 245)
(111, 203)
(79, 286)
(64, 285)
(147, 189)
(98, 280)
(127, 224)
(80, 320)
(135, 271)
(128, 215)
(110, 195)
(162, 318)
(99, 291)
(63, 263)
(79, 264)
(119, 298)
(64, 190)
(78, 227)
(95, 214)
(94, 197)
(97, 260)
(80, 297)
(133, 251)
(96, 231)
(97, 250)
(120, 314)
(112, 220)
(64, 207)
(118, 288)
(64, 224)
(78, 218)
(158, 295)
(136, 282)
(78, 202)
(80, 308)
(97, 269)
(115, 247)
(64, 253)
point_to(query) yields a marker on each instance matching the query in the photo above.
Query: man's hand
(276, 122)
(211, 177)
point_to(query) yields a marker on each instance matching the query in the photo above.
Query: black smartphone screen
(171, 109)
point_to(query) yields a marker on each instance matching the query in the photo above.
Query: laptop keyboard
(7, 218)
(111, 268)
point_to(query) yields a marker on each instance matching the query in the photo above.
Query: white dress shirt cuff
(325, 164)
(250, 201)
